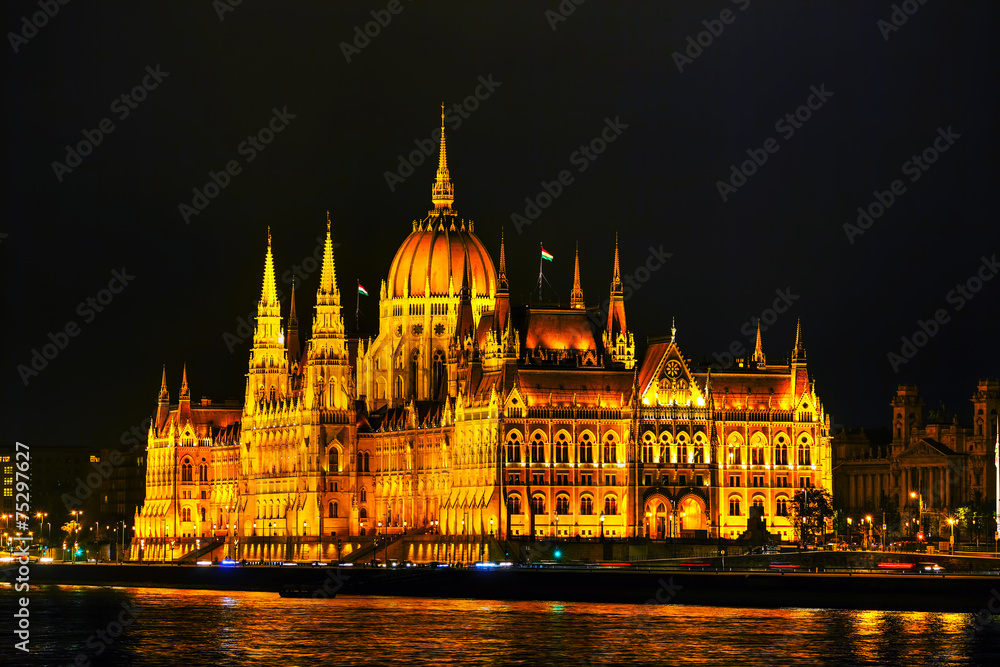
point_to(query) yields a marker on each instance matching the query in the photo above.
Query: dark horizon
(543, 89)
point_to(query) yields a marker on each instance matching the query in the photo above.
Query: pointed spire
(758, 352)
(502, 279)
(616, 305)
(185, 390)
(616, 280)
(576, 294)
(269, 292)
(799, 351)
(293, 331)
(442, 192)
(673, 329)
(163, 405)
(327, 290)
(164, 394)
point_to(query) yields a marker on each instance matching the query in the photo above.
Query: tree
(70, 527)
(810, 509)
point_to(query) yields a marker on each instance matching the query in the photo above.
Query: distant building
(927, 464)
(468, 415)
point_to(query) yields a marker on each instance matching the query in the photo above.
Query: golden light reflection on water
(226, 628)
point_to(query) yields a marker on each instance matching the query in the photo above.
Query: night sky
(680, 117)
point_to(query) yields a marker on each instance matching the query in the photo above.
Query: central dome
(441, 250)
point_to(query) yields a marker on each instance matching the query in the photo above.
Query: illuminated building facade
(930, 465)
(468, 415)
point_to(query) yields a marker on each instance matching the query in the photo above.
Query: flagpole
(357, 307)
(541, 247)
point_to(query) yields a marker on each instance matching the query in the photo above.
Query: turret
(329, 365)
(619, 343)
(294, 348)
(267, 378)
(184, 400)
(757, 360)
(907, 414)
(502, 307)
(163, 403)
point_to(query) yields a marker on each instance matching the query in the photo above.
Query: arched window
(399, 388)
(332, 510)
(734, 450)
(513, 448)
(538, 448)
(438, 376)
(610, 505)
(586, 505)
(734, 506)
(781, 451)
(186, 471)
(366, 462)
(758, 502)
(781, 507)
(757, 450)
(538, 504)
(360, 463)
(414, 370)
(202, 510)
(272, 394)
(610, 449)
(362, 495)
(648, 455)
(362, 513)
(805, 457)
(203, 471)
(562, 504)
(682, 448)
(186, 514)
(586, 449)
(515, 504)
(333, 460)
(562, 448)
(666, 441)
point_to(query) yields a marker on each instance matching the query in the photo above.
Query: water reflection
(208, 627)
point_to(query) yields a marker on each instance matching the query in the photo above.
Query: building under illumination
(931, 466)
(471, 415)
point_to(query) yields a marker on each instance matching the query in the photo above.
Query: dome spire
(576, 294)
(442, 192)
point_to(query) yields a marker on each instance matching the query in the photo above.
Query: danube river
(73, 624)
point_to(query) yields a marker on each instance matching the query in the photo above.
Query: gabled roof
(927, 447)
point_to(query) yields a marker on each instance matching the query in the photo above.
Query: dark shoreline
(881, 591)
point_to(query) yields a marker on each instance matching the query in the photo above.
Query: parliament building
(468, 415)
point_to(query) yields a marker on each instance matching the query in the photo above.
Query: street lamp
(951, 522)
(602, 526)
(920, 509)
(491, 526)
(869, 540)
(41, 516)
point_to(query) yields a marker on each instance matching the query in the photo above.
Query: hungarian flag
(546, 255)
(361, 290)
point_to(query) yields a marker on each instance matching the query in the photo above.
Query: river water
(73, 624)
